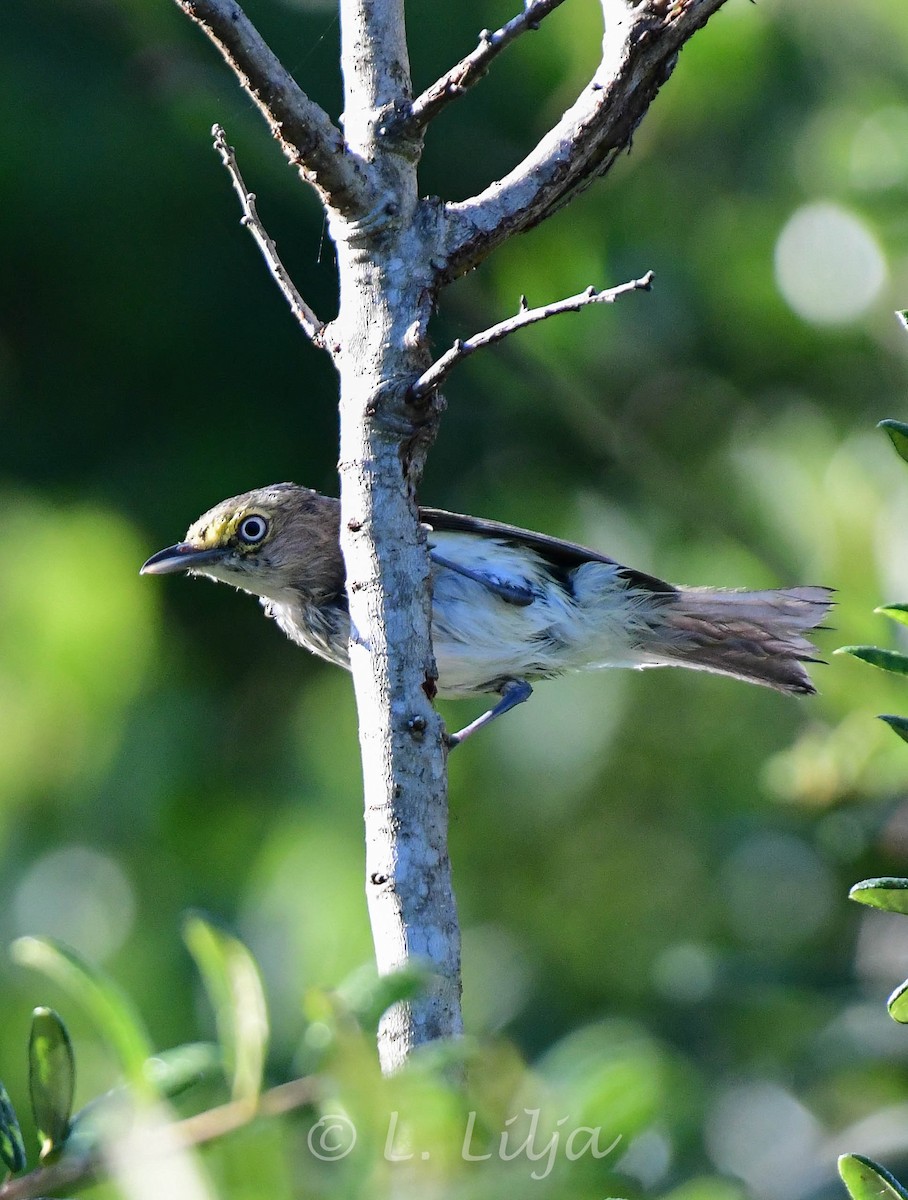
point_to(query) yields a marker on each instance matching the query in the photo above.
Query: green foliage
(172, 1072)
(453, 1106)
(897, 430)
(897, 612)
(886, 660)
(890, 894)
(111, 1010)
(52, 1081)
(897, 1004)
(366, 995)
(234, 989)
(898, 725)
(867, 1180)
(12, 1147)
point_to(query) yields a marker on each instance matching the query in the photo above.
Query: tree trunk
(387, 292)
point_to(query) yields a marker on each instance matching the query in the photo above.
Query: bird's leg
(512, 692)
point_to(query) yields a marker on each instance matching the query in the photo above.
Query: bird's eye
(252, 529)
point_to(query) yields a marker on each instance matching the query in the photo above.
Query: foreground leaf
(234, 987)
(107, 1118)
(897, 430)
(897, 1004)
(12, 1147)
(886, 660)
(111, 1010)
(367, 996)
(867, 1180)
(896, 612)
(173, 1071)
(888, 893)
(898, 725)
(51, 1080)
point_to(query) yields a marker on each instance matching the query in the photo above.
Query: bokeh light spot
(80, 896)
(879, 152)
(829, 266)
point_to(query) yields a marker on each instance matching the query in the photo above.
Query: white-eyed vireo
(508, 606)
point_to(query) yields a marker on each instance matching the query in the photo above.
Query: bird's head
(273, 541)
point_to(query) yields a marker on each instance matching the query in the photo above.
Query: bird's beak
(181, 557)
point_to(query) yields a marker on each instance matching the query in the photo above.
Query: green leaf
(898, 725)
(234, 988)
(902, 315)
(897, 612)
(108, 1117)
(111, 1010)
(12, 1147)
(867, 1180)
(887, 893)
(367, 996)
(171, 1072)
(51, 1080)
(886, 660)
(898, 434)
(898, 1004)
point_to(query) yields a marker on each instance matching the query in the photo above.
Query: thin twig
(306, 133)
(443, 366)
(191, 1131)
(640, 47)
(313, 328)
(470, 69)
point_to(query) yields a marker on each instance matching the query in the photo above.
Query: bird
(509, 607)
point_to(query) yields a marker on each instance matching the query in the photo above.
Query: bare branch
(433, 378)
(306, 133)
(639, 51)
(313, 328)
(471, 69)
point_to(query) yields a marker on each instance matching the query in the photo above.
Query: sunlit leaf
(110, 1009)
(898, 434)
(234, 988)
(898, 725)
(867, 1180)
(897, 612)
(887, 893)
(12, 1148)
(898, 1004)
(886, 660)
(51, 1080)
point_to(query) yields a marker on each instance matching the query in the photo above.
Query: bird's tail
(758, 636)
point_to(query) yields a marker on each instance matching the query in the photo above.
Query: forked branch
(306, 133)
(435, 376)
(469, 70)
(313, 328)
(639, 50)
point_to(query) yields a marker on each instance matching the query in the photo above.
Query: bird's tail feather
(757, 636)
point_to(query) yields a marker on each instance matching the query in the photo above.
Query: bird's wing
(561, 556)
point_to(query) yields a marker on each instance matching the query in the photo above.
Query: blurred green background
(651, 868)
